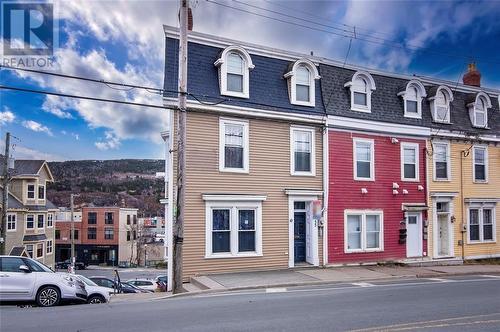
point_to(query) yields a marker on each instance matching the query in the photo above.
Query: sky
(123, 41)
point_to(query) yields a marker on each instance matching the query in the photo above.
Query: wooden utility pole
(178, 231)
(72, 235)
(5, 194)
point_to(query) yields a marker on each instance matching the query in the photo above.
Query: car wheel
(48, 296)
(96, 299)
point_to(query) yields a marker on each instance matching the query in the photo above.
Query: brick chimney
(473, 76)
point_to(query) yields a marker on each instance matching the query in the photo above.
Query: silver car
(24, 279)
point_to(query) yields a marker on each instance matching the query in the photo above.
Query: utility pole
(72, 235)
(178, 231)
(5, 194)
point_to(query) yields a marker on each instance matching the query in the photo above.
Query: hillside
(125, 182)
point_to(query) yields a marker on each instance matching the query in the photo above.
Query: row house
(294, 160)
(30, 215)
(102, 235)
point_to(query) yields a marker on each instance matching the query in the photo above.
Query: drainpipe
(463, 154)
(325, 190)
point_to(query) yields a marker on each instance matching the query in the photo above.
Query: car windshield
(37, 266)
(87, 281)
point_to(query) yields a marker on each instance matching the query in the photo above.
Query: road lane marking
(276, 290)
(440, 279)
(398, 327)
(413, 328)
(363, 284)
(490, 276)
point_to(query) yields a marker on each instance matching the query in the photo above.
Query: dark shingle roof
(25, 167)
(34, 237)
(18, 251)
(13, 203)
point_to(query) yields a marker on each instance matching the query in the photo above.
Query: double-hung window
(50, 220)
(480, 117)
(233, 146)
(480, 161)
(409, 162)
(441, 161)
(31, 191)
(41, 192)
(235, 72)
(302, 147)
(39, 250)
(481, 223)
(109, 233)
(234, 67)
(92, 233)
(233, 229)
(29, 250)
(30, 221)
(363, 231)
(11, 222)
(92, 218)
(40, 221)
(412, 102)
(442, 107)
(303, 84)
(364, 159)
(49, 247)
(108, 218)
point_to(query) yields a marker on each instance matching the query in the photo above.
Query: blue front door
(299, 219)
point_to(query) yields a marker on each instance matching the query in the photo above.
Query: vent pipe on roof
(473, 76)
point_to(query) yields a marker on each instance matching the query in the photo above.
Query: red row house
(377, 178)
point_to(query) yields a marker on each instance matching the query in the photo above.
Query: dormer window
(478, 110)
(361, 87)
(412, 98)
(440, 104)
(234, 72)
(301, 83)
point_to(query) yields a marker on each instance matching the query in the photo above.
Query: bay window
(363, 231)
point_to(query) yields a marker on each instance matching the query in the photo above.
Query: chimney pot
(473, 76)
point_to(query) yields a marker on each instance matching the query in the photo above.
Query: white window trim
(473, 109)
(416, 147)
(480, 207)
(222, 64)
(35, 194)
(15, 222)
(47, 220)
(233, 207)
(43, 221)
(34, 221)
(47, 247)
(371, 87)
(246, 146)
(449, 98)
(314, 75)
(486, 163)
(33, 246)
(35, 252)
(421, 93)
(372, 159)
(363, 214)
(294, 129)
(44, 193)
(448, 162)
(440, 198)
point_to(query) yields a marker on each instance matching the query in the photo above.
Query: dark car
(119, 287)
(67, 263)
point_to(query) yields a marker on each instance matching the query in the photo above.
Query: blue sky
(123, 41)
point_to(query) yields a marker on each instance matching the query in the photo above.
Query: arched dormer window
(412, 99)
(234, 72)
(302, 83)
(440, 104)
(361, 86)
(478, 110)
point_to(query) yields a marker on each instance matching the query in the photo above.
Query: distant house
(30, 215)
(103, 235)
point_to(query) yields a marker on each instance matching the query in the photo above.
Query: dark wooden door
(299, 237)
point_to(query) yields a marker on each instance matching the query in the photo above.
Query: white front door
(443, 235)
(414, 234)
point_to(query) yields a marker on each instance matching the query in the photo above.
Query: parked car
(95, 293)
(161, 283)
(145, 284)
(66, 264)
(24, 279)
(111, 284)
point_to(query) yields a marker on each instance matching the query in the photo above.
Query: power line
(374, 40)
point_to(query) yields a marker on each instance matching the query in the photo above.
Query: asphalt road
(125, 274)
(469, 303)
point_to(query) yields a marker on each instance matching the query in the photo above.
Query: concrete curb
(325, 282)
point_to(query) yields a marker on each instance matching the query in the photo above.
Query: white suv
(24, 279)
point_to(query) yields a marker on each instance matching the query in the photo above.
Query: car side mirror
(24, 268)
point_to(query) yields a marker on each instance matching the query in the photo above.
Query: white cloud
(6, 116)
(37, 126)
(23, 152)
(110, 142)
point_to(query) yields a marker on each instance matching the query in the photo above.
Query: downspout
(325, 190)
(463, 154)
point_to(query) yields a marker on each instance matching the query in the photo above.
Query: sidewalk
(312, 276)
